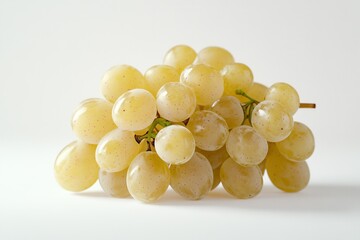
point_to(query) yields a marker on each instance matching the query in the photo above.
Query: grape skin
(257, 91)
(230, 109)
(286, 175)
(216, 158)
(215, 57)
(209, 129)
(116, 150)
(175, 144)
(284, 94)
(120, 79)
(241, 182)
(75, 166)
(299, 145)
(157, 76)
(271, 121)
(236, 76)
(246, 147)
(180, 57)
(148, 177)
(216, 181)
(114, 183)
(193, 179)
(134, 110)
(92, 120)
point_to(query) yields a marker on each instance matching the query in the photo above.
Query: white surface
(53, 54)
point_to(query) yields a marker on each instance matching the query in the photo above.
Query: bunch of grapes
(195, 121)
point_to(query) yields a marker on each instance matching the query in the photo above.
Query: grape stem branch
(151, 133)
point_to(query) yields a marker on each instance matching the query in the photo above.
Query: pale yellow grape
(230, 109)
(148, 177)
(286, 175)
(216, 181)
(286, 95)
(116, 150)
(299, 145)
(236, 76)
(206, 82)
(134, 110)
(114, 183)
(75, 166)
(216, 158)
(209, 129)
(120, 79)
(92, 120)
(158, 75)
(175, 144)
(215, 57)
(257, 91)
(143, 145)
(175, 101)
(193, 179)
(180, 57)
(246, 147)
(271, 120)
(262, 166)
(241, 182)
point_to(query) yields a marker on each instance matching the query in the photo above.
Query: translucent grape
(193, 179)
(216, 174)
(262, 166)
(257, 91)
(246, 147)
(206, 82)
(176, 102)
(299, 145)
(286, 95)
(271, 121)
(209, 129)
(116, 150)
(120, 79)
(241, 182)
(215, 57)
(114, 183)
(158, 75)
(134, 110)
(286, 175)
(236, 76)
(92, 120)
(148, 177)
(230, 109)
(175, 144)
(216, 158)
(180, 57)
(75, 166)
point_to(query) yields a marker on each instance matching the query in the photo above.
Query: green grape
(246, 147)
(236, 76)
(175, 144)
(257, 91)
(209, 129)
(193, 179)
(116, 150)
(286, 175)
(180, 57)
(299, 145)
(114, 183)
(158, 75)
(216, 158)
(92, 120)
(134, 110)
(75, 166)
(216, 174)
(271, 121)
(215, 57)
(241, 182)
(206, 82)
(148, 177)
(176, 102)
(230, 109)
(286, 95)
(120, 79)
(262, 166)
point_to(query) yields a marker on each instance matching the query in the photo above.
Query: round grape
(114, 183)
(215, 57)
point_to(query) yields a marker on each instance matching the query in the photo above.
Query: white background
(54, 53)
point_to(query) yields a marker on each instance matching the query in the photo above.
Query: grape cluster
(195, 121)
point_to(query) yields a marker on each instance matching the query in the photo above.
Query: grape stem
(152, 132)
